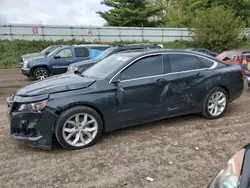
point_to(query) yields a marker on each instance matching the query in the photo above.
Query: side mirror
(57, 56)
(47, 53)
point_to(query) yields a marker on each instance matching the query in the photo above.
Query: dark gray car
(122, 90)
(84, 65)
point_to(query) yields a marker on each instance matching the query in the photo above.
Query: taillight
(242, 73)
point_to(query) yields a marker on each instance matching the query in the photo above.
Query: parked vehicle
(57, 62)
(230, 54)
(43, 53)
(236, 173)
(82, 66)
(122, 90)
(203, 50)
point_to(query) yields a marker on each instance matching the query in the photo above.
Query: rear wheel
(40, 73)
(215, 103)
(78, 127)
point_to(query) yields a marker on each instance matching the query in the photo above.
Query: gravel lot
(165, 151)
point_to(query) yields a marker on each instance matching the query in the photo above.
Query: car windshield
(229, 54)
(104, 54)
(49, 49)
(52, 52)
(106, 67)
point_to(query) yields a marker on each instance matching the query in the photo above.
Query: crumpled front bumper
(35, 128)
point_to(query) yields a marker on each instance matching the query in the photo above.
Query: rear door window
(81, 52)
(185, 62)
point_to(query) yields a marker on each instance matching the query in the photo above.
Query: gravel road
(181, 152)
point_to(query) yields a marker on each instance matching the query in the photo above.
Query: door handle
(160, 81)
(70, 60)
(199, 75)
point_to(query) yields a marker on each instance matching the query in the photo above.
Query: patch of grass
(11, 51)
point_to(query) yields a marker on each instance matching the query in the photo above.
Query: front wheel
(78, 127)
(40, 73)
(248, 85)
(215, 103)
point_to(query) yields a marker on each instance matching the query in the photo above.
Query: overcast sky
(60, 12)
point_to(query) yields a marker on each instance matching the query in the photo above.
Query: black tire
(248, 84)
(64, 116)
(205, 112)
(43, 71)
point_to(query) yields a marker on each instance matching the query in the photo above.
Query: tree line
(214, 24)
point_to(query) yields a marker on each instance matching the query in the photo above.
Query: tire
(248, 85)
(207, 111)
(76, 131)
(40, 73)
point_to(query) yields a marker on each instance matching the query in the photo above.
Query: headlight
(36, 106)
(25, 64)
(229, 177)
(72, 69)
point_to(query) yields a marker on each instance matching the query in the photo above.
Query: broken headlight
(229, 177)
(36, 106)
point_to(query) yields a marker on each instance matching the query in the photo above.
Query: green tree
(216, 28)
(181, 12)
(132, 13)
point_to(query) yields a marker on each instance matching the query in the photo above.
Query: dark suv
(57, 62)
(83, 65)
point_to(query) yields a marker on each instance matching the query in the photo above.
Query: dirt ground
(165, 151)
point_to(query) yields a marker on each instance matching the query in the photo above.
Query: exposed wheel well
(88, 105)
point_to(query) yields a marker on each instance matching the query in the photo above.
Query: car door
(138, 92)
(61, 60)
(186, 81)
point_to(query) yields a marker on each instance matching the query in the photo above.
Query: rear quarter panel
(226, 76)
(229, 77)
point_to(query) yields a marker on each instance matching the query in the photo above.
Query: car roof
(198, 49)
(137, 45)
(247, 54)
(90, 45)
(237, 50)
(135, 54)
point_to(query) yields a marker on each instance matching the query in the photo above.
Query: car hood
(26, 56)
(83, 63)
(55, 84)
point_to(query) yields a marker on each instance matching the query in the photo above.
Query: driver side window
(65, 53)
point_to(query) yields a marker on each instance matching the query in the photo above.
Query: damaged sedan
(122, 90)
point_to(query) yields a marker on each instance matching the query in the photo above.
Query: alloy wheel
(41, 74)
(80, 129)
(217, 103)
